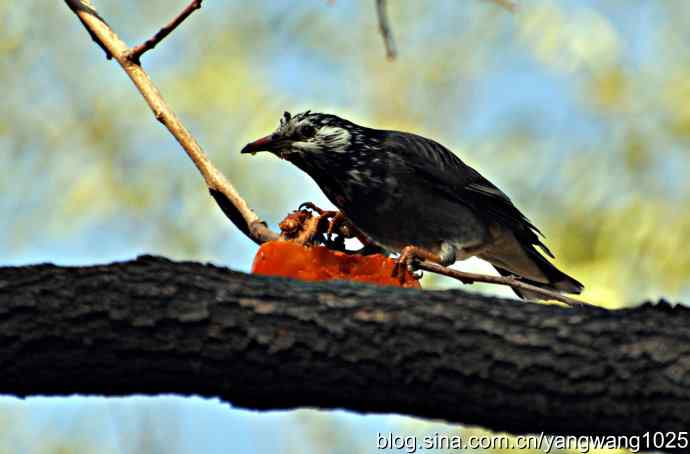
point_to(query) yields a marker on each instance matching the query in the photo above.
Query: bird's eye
(307, 131)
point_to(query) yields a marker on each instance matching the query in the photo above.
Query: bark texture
(153, 326)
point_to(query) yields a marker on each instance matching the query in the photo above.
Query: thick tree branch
(136, 52)
(245, 219)
(152, 326)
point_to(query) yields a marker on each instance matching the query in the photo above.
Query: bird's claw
(325, 222)
(340, 226)
(405, 263)
(328, 223)
(310, 206)
(337, 222)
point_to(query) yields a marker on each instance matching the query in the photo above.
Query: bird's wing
(455, 180)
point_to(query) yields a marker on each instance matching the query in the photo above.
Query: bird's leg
(410, 254)
(310, 206)
(339, 224)
(323, 223)
(343, 227)
(327, 222)
(324, 215)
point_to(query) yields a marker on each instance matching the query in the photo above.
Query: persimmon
(318, 263)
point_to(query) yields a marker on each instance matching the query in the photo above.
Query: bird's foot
(339, 225)
(410, 256)
(329, 223)
(325, 225)
(299, 226)
(406, 262)
(311, 206)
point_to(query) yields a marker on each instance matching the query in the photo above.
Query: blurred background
(578, 109)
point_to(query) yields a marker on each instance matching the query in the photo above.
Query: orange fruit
(318, 263)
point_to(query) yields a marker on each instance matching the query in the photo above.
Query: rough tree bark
(153, 326)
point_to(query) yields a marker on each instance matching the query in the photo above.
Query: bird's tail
(542, 274)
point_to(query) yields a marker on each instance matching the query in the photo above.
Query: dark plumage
(401, 189)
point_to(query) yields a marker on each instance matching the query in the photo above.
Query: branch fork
(227, 197)
(135, 53)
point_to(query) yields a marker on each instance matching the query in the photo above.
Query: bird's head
(308, 135)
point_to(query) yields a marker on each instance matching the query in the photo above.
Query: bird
(413, 196)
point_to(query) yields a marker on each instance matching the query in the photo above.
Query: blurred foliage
(576, 108)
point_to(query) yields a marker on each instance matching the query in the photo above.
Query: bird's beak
(268, 143)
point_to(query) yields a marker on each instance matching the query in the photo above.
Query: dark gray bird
(412, 195)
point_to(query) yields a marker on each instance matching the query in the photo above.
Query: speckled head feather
(317, 133)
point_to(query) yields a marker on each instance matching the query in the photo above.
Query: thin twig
(222, 190)
(385, 29)
(387, 34)
(507, 4)
(136, 52)
(468, 278)
(86, 6)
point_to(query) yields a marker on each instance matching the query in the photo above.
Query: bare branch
(507, 4)
(469, 278)
(387, 34)
(385, 29)
(222, 190)
(86, 6)
(135, 53)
